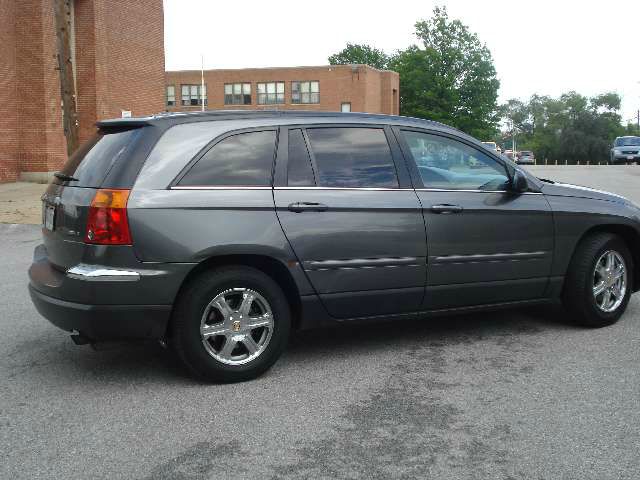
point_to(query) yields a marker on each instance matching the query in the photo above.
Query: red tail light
(107, 223)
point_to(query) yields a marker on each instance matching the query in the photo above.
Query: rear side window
(352, 157)
(244, 159)
(90, 164)
(299, 170)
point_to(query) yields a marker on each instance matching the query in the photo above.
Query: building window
(345, 107)
(171, 95)
(237, 94)
(192, 95)
(305, 92)
(270, 93)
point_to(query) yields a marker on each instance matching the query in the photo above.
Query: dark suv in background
(220, 232)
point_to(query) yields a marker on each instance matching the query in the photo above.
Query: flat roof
(342, 65)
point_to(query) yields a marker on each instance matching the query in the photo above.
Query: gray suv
(219, 233)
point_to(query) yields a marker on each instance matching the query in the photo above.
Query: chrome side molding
(97, 273)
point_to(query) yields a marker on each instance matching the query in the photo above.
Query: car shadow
(150, 363)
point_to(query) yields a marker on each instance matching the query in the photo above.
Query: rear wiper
(64, 177)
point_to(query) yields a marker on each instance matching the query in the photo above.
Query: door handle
(307, 207)
(446, 208)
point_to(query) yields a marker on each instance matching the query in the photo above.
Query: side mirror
(519, 183)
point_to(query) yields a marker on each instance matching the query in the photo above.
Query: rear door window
(243, 159)
(352, 157)
(90, 164)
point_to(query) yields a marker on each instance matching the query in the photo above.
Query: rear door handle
(307, 207)
(446, 208)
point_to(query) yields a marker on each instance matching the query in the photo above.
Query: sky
(538, 46)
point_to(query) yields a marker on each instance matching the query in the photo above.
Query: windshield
(627, 141)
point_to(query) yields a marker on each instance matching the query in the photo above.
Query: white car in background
(493, 146)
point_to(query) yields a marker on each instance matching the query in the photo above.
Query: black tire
(578, 298)
(190, 307)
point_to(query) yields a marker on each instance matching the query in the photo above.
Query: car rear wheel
(598, 283)
(231, 324)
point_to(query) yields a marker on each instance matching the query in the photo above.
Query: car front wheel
(231, 324)
(598, 284)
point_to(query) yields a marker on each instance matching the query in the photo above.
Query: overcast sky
(538, 46)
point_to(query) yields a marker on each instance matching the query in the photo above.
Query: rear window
(90, 164)
(244, 159)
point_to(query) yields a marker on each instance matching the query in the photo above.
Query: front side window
(244, 159)
(444, 163)
(270, 93)
(171, 95)
(352, 157)
(193, 95)
(237, 94)
(305, 92)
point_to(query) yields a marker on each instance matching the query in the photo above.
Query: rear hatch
(66, 202)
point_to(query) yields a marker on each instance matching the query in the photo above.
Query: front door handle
(307, 207)
(446, 208)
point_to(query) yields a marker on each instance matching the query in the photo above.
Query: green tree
(571, 128)
(360, 54)
(449, 78)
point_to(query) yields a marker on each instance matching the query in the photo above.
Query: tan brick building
(118, 48)
(358, 88)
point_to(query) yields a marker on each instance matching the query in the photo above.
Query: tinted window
(627, 141)
(242, 159)
(352, 157)
(449, 164)
(93, 160)
(299, 170)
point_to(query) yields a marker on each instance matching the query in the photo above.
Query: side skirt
(313, 314)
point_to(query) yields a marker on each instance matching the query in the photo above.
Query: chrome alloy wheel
(609, 281)
(236, 326)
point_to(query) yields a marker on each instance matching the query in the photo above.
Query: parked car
(509, 154)
(219, 233)
(493, 146)
(625, 150)
(526, 157)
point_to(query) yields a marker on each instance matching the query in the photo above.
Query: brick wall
(367, 89)
(119, 53)
(9, 118)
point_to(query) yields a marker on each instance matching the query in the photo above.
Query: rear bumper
(103, 322)
(125, 301)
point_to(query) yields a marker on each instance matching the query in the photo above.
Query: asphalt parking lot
(519, 394)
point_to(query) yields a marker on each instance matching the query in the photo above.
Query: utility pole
(62, 12)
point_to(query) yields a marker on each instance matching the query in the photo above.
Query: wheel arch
(268, 265)
(629, 235)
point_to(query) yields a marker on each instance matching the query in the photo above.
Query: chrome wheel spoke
(250, 344)
(258, 322)
(213, 330)
(223, 307)
(245, 306)
(227, 348)
(599, 288)
(619, 272)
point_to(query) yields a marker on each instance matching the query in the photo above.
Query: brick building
(118, 53)
(357, 88)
